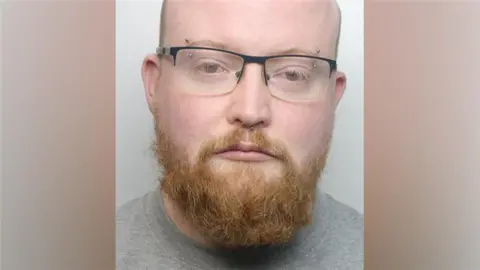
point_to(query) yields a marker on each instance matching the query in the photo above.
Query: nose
(251, 100)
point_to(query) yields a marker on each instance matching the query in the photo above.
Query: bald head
(326, 12)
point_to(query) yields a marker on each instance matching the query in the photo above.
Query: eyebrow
(222, 46)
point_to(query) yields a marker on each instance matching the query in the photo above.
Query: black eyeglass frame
(247, 59)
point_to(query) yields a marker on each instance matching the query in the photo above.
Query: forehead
(254, 27)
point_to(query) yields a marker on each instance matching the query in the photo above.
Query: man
(243, 95)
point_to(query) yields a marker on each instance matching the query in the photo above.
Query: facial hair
(243, 206)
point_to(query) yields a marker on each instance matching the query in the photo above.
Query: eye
(294, 75)
(210, 68)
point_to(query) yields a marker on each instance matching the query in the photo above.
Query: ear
(340, 85)
(151, 75)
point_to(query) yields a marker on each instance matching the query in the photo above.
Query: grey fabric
(147, 239)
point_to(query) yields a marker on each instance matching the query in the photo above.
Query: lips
(246, 152)
(246, 148)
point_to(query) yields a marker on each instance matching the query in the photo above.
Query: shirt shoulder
(128, 222)
(141, 239)
(341, 244)
(134, 241)
(343, 215)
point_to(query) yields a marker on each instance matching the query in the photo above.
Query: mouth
(246, 152)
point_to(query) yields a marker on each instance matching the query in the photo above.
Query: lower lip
(245, 156)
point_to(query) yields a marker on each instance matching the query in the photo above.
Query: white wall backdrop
(137, 26)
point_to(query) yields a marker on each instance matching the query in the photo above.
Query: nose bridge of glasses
(251, 91)
(247, 60)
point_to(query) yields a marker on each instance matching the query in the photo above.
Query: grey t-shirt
(147, 239)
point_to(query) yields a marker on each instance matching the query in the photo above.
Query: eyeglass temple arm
(163, 50)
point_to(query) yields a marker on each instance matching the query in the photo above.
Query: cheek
(189, 120)
(306, 129)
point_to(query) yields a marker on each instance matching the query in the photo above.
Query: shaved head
(333, 11)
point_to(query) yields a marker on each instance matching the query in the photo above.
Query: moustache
(244, 140)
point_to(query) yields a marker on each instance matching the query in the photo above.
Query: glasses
(210, 71)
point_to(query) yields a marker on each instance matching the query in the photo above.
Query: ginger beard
(244, 205)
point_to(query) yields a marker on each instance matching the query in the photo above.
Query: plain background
(137, 28)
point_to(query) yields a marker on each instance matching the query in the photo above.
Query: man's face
(243, 165)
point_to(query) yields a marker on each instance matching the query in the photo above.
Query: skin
(260, 28)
